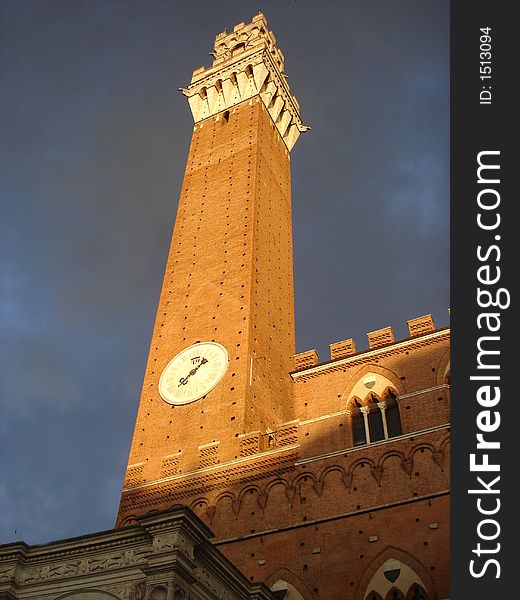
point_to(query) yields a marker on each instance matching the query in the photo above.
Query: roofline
(345, 359)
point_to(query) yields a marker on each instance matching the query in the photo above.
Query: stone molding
(171, 548)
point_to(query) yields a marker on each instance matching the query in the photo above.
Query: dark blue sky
(94, 140)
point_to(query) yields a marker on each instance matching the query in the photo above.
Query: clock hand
(184, 380)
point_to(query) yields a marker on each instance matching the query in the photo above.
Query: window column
(382, 408)
(364, 410)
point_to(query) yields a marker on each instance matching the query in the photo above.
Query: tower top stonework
(246, 63)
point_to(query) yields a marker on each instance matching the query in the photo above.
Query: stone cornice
(97, 542)
(173, 543)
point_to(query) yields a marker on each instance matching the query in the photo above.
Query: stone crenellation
(417, 327)
(247, 63)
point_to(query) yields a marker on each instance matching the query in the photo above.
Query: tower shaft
(229, 273)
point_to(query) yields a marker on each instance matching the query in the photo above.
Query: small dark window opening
(394, 595)
(417, 594)
(225, 116)
(358, 428)
(393, 418)
(375, 424)
(238, 48)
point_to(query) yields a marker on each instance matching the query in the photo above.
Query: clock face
(193, 373)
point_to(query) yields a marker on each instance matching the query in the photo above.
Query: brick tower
(229, 275)
(323, 480)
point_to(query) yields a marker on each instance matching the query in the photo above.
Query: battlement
(246, 64)
(380, 338)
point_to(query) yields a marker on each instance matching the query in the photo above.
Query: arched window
(283, 590)
(393, 418)
(359, 435)
(394, 594)
(416, 592)
(375, 420)
(238, 48)
(159, 592)
(394, 580)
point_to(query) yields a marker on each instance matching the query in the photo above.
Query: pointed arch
(354, 403)
(376, 425)
(357, 421)
(371, 399)
(383, 378)
(443, 367)
(394, 594)
(395, 568)
(159, 592)
(390, 454)
(289, 490)
(129, 521)
(331, 468)
(392, 415)
(374, 596)
(286, 580)
(361, 461)
(303, 477)
(421, 448)
(249, 489)
(199, 503)
(416, 592)
(238, 48)
(225, 495)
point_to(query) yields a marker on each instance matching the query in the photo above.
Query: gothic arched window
(375, 421)
(159, 592)
(285, 591)
(394, 594)
(238, 48)
(416, 592)
(393, 418)
(359, 436)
